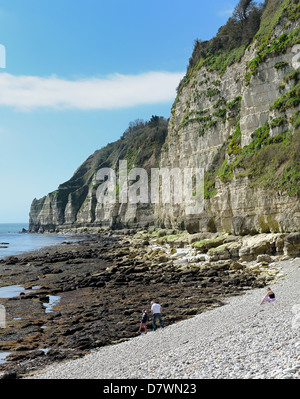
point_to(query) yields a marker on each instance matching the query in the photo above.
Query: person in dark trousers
(144, 321)
(156, 310)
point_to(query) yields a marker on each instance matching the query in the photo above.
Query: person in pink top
(144, 321)
(269, 297)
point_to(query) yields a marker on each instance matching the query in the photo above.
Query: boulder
(292, 245)
(264, 258)
(219, 253)
(253, 246)
(234, 248)
(205, 245)
(199, 237)
(180, 261)
(237, 266)
(163, 259)
(245, 254)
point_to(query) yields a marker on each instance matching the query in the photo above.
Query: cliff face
(219, 122)
(75, 204)
(240, 124)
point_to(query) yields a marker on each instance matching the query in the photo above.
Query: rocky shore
(102, 283)
(241, 340)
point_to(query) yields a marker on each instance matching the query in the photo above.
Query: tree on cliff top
(243, 9)
(239, 30)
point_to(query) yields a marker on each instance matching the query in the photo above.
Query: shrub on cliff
(238, 32)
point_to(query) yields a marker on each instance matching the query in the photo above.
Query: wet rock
(72, 330)
(9, 375)
(12, 260)
(56, 354)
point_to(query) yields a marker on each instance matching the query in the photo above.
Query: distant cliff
(236, 115)
(74, 203)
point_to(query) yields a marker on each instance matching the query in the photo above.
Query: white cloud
(112, 92)
(227, 12)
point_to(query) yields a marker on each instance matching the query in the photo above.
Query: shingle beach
(239, 340)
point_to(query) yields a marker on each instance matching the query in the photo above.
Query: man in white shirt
(156, 310)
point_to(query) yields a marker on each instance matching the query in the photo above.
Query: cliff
(236, 115)
(74, 203)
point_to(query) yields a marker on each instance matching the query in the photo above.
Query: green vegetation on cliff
(230, 43)
(272, 163)
(278, 46)
(249, 22)
(269, 161)
(141, 142)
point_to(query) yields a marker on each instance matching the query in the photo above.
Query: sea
(13, 241)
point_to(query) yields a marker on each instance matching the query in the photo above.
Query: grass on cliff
(269, 163)
(275, 164)
(230, 43)
(278, 46)
(275, 10)
(232, 39)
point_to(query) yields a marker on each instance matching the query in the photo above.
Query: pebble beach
(240, 340)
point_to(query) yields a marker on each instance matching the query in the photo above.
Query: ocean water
(13, 242)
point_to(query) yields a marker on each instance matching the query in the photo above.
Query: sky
(75, 73)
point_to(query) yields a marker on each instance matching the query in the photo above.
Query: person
(156, 311)
(269, 297)
(144, 321)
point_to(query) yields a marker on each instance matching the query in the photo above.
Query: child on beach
(144, 321)
(269, 297)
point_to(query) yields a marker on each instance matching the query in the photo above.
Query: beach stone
(264, 258)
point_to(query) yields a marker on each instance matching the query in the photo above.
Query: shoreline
(209, 345)
(104, 282)
(11, 247)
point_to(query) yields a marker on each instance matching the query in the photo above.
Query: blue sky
(77, 72)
